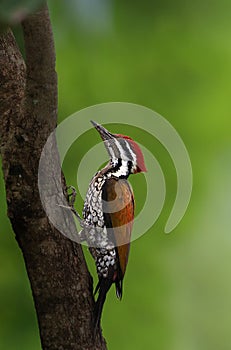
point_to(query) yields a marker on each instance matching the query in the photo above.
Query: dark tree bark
(59, 278)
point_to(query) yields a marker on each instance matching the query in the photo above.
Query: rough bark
(59, 278)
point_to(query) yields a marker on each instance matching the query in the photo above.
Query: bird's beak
(104, 133)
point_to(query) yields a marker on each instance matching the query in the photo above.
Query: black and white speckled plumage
(102, 247)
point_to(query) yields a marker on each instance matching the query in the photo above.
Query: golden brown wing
(118, 208)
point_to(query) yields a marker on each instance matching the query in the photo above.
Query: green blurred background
(175, 58)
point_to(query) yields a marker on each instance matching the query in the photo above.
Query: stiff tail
(119, 288)
(103, 286)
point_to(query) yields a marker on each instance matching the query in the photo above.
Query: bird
(108, 214)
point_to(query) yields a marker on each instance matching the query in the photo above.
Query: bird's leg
(71, 200)
(71, 196)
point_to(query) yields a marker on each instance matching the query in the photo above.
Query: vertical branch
(41, 79)
(60, 282)
(12, 78)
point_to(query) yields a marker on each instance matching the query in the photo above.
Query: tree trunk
(59, 278)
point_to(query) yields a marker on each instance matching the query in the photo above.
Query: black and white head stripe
(112, 149)
(123, 158)
(117, 146)
(120, 148)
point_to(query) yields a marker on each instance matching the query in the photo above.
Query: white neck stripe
(123, 170)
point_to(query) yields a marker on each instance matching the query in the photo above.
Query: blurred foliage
(13, 12)
(173, 57)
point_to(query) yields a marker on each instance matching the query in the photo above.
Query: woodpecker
(108, 213)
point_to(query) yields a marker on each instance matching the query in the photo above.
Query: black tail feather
(119, 288)
(103, 286)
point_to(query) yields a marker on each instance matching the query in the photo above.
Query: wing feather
(118, 208)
